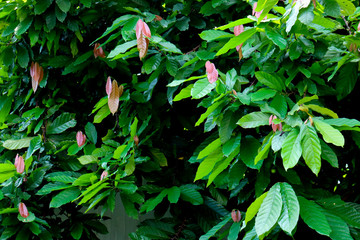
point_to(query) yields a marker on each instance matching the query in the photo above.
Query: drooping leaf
(269, 211)
(13, 144)
(271, 80)
(291, 149)
(311, 149)
(313, 216)
(290, 208)
(330, 134)
(113, 101)
(254, 208)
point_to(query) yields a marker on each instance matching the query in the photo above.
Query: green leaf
(269, 211)
(241, 21)
(84, 180)
(329, 155)
(12, 144)
(276, 38)
(347, 7)
(41, 6)
(322, 110)
(211, 35)
(290, 208)
(307, 99)
(292, 17)
(201, 88)
(184, 93)
(340, 122)
(90, 132)
(205, 55)
(291, 149)
(330, 134)
(64, 197)
(189, 194)
(77, 230)
(159, 157)
(339, 228)
(254, 119)
(235, 41)
(152, 63)
(262, 94)
(214, 145)
(221, 166)
(215, 229)
(87, 159)
(231, 145)
(91, 191)
(209, 110)
(178, 82)
(271, 80)
(23, 26)
(35, 144)
(311, 149)
(64, 5)
(227, 125)
(65, 177)
(169, 47)
(264, 149)
(172, 66)
(254, 208)
(234, 231)
(122, 48)
(207, 165)
(6, 171)
(61, 123)
(101, 114)
(173, 194)
(313, 216)
(48, 188)
(22, 56)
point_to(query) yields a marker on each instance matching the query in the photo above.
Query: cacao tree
(223, 118)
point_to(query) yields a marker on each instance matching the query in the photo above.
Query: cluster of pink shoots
(274, 126)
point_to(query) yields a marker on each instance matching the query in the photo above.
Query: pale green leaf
(87, 159)
(254, 208)
(12, 144)
(290, 209)
(269, 211)
(122, 48)
(201, 88)
(207, 165)
(211, 35)
(330, 134)
(254, 119)
(235, 41)
(311, 149)
(322, 110)
(291, 149)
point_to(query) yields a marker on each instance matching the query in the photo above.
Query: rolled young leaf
(23, 210)
(113, 100)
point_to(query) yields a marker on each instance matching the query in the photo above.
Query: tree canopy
(224, 118)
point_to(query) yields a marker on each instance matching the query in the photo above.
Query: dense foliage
(187, 109)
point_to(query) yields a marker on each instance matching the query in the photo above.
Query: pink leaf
(19, 164)
(108, 86)
(212, 73)
(80, 138)
(104, 174)
(23, 210)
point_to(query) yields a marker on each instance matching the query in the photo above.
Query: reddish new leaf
(98, 51)
(108, 86)
(23, 210)
(142, 27)
(236, 215)
(19, 164)
(104, 174)
(212, 73)
(37, 74)
(80, 138)
(113, 100)
(142, 45)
